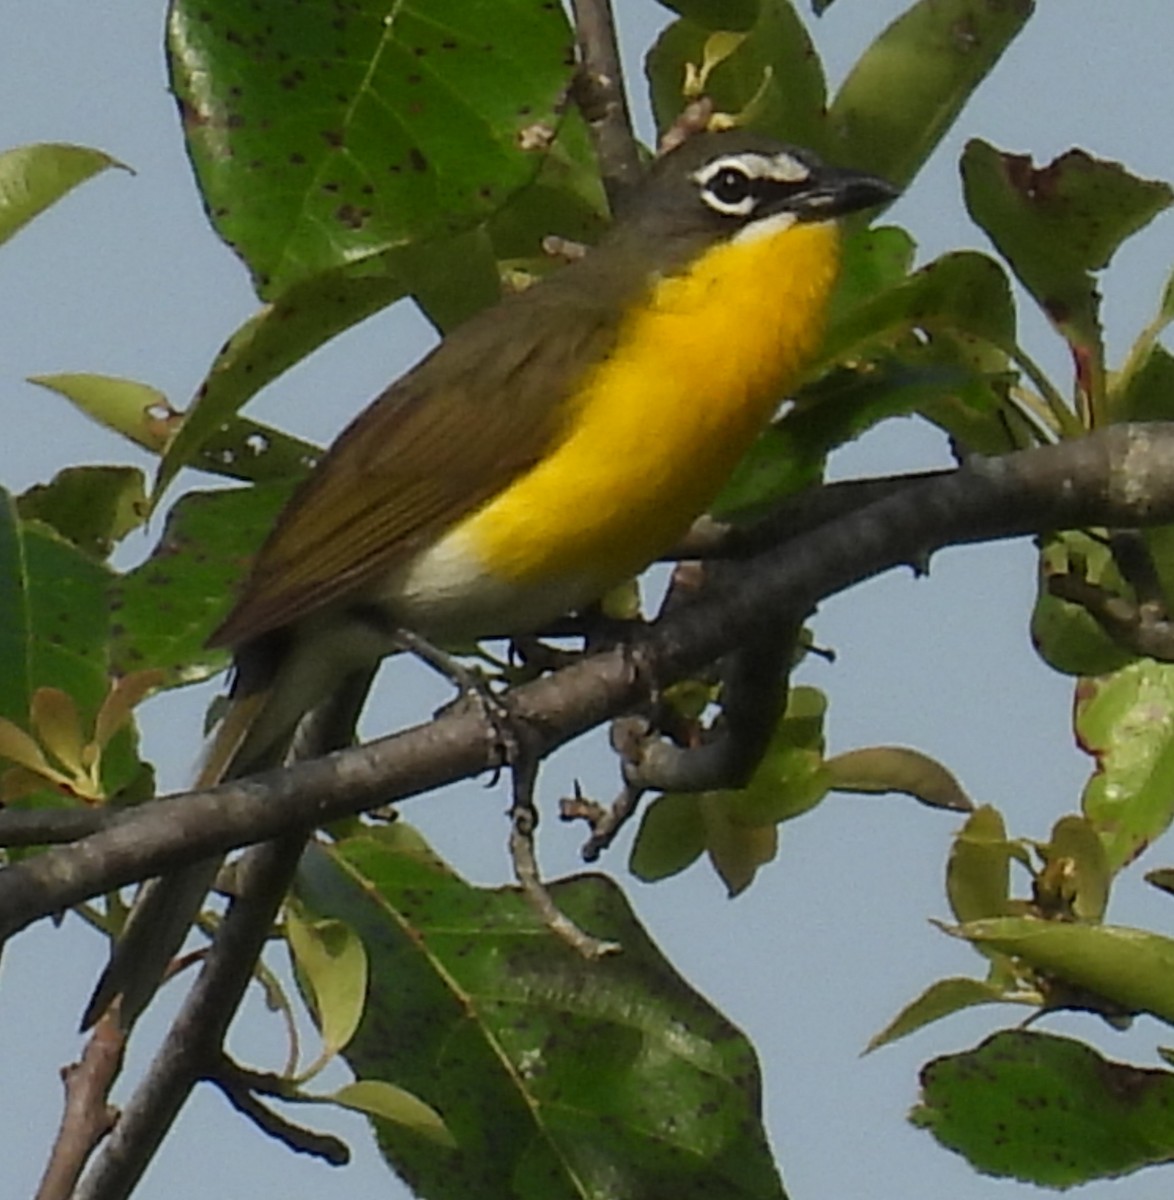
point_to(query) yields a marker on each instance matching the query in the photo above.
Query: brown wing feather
(479, 411)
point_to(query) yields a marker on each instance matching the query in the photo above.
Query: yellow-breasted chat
(546, 450)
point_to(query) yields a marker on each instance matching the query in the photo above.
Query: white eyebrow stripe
(781, 168)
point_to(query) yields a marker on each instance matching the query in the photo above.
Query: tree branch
(192, 1050)
(50, 826)
(1118, 477)
(88, 1116)
(599, 92)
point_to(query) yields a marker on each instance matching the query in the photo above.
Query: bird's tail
(165, 908)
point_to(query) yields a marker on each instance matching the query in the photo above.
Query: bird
(546, 450)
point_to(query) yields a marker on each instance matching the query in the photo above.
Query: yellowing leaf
(18, 747)
(736, 851)
(1078, 853)
(333, 962)
(126, 694)
(55, 717)
(19, 782)
(378, 1098)
(876, 769)
(941, 999)
(34, 177)
(718, 47)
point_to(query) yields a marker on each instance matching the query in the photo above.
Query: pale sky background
(126, 278)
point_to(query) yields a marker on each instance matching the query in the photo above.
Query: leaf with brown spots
(1056, 226)
(321, 136)
(1048, 1110)
(557, 1077)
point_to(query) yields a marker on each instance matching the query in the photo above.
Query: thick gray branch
(1120, 477)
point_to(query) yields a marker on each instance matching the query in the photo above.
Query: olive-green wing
(485, 406)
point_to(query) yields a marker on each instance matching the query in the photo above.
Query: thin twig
(753, 694)
(192, 1050)
(1135, 627)
(523, 823)
(240, 1087)
(87, 1116)
(605, 823)
(1135, 561)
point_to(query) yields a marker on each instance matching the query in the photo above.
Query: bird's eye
(731, 189)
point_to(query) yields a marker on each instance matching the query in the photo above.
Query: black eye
(730, 187)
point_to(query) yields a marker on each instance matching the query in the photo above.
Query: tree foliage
(351, 160)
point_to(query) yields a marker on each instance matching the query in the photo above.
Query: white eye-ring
(730, 190)
(728, 182)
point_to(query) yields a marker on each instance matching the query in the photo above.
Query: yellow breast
(660, 424)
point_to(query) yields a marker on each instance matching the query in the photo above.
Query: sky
(126, 278)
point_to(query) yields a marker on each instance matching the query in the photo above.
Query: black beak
(837, 191)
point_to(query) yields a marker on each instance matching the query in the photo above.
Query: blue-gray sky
(125, 278)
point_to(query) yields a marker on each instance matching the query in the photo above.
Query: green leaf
(332, 964)
(54, 633)
(774, 72)
(938, 341)
(790, 778)
(878, 769)
(1126, 722)
(1131, 969)
(671, 837)
(1124, 398)
(1056, 225)
(932, 58)
(873, 260)
(1066, 635)
(137, 411)
(229, 446)
(377, 1098)
(1149, 392)
(165, 608)
(555, 1075)
(271, 341)
(34, 177)
(92, 507)
(978, 873)
(566, 200)
(736, 847)
(941, 999)
(453, 278)
(964, 292)
(737, 826)
(18, 747)
(250, 452)
(1166, 307)
(786, 458)
(1047, 1110)
(319, 139)
(1077, 854)
(53, 622)
(938, 379)
(1159, 544)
